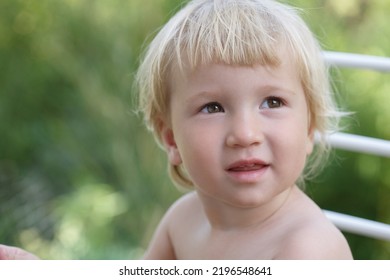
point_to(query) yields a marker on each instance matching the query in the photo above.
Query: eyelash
(215, 107)
(209, 108)
(273, 99)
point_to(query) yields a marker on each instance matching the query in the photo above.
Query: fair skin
(14, 253)
(243, 134)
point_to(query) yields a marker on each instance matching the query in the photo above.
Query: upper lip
(247, 165)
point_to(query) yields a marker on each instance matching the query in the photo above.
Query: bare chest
(198, 245)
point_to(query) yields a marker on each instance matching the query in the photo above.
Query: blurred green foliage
(80, 178)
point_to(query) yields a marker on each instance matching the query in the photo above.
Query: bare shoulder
(183, 211)
(315, 241)
(186, 203)
(162, 245)
(313, 236)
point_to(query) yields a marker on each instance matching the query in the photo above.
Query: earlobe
(310, 142)
(171, 148)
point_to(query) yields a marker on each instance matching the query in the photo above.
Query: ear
(310, 142)
(168, 139)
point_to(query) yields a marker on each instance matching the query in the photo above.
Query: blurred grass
(80, 178)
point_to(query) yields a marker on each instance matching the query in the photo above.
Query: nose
(245, 130)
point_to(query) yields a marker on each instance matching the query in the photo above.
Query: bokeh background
(81, 178)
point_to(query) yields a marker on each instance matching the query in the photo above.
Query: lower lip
(249, 176)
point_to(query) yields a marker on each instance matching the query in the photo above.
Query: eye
(272, 102)
(212, 108)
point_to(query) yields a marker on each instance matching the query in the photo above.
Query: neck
(226, 217)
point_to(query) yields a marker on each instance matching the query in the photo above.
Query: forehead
(187, 72)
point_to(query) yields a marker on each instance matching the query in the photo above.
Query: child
(234, 91)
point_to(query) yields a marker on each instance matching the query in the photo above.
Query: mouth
(249, 171)
(247, 165)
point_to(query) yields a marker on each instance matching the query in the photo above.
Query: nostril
(244, 128)
(244, 138)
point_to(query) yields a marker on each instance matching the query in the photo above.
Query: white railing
(360, 61)
(357, 143)
(359, 226)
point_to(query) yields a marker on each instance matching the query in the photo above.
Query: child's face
(241, 132)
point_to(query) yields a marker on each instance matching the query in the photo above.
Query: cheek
(198, 150)
(290, 146)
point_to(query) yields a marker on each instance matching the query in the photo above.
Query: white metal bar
(357, 143)
(357, 61)
(359, 226)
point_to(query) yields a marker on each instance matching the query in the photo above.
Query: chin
(248, 201)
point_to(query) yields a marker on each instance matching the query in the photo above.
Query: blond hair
(235, 32)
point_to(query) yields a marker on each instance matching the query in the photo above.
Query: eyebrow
(267, 89)
(271, 88)
(205, 94)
